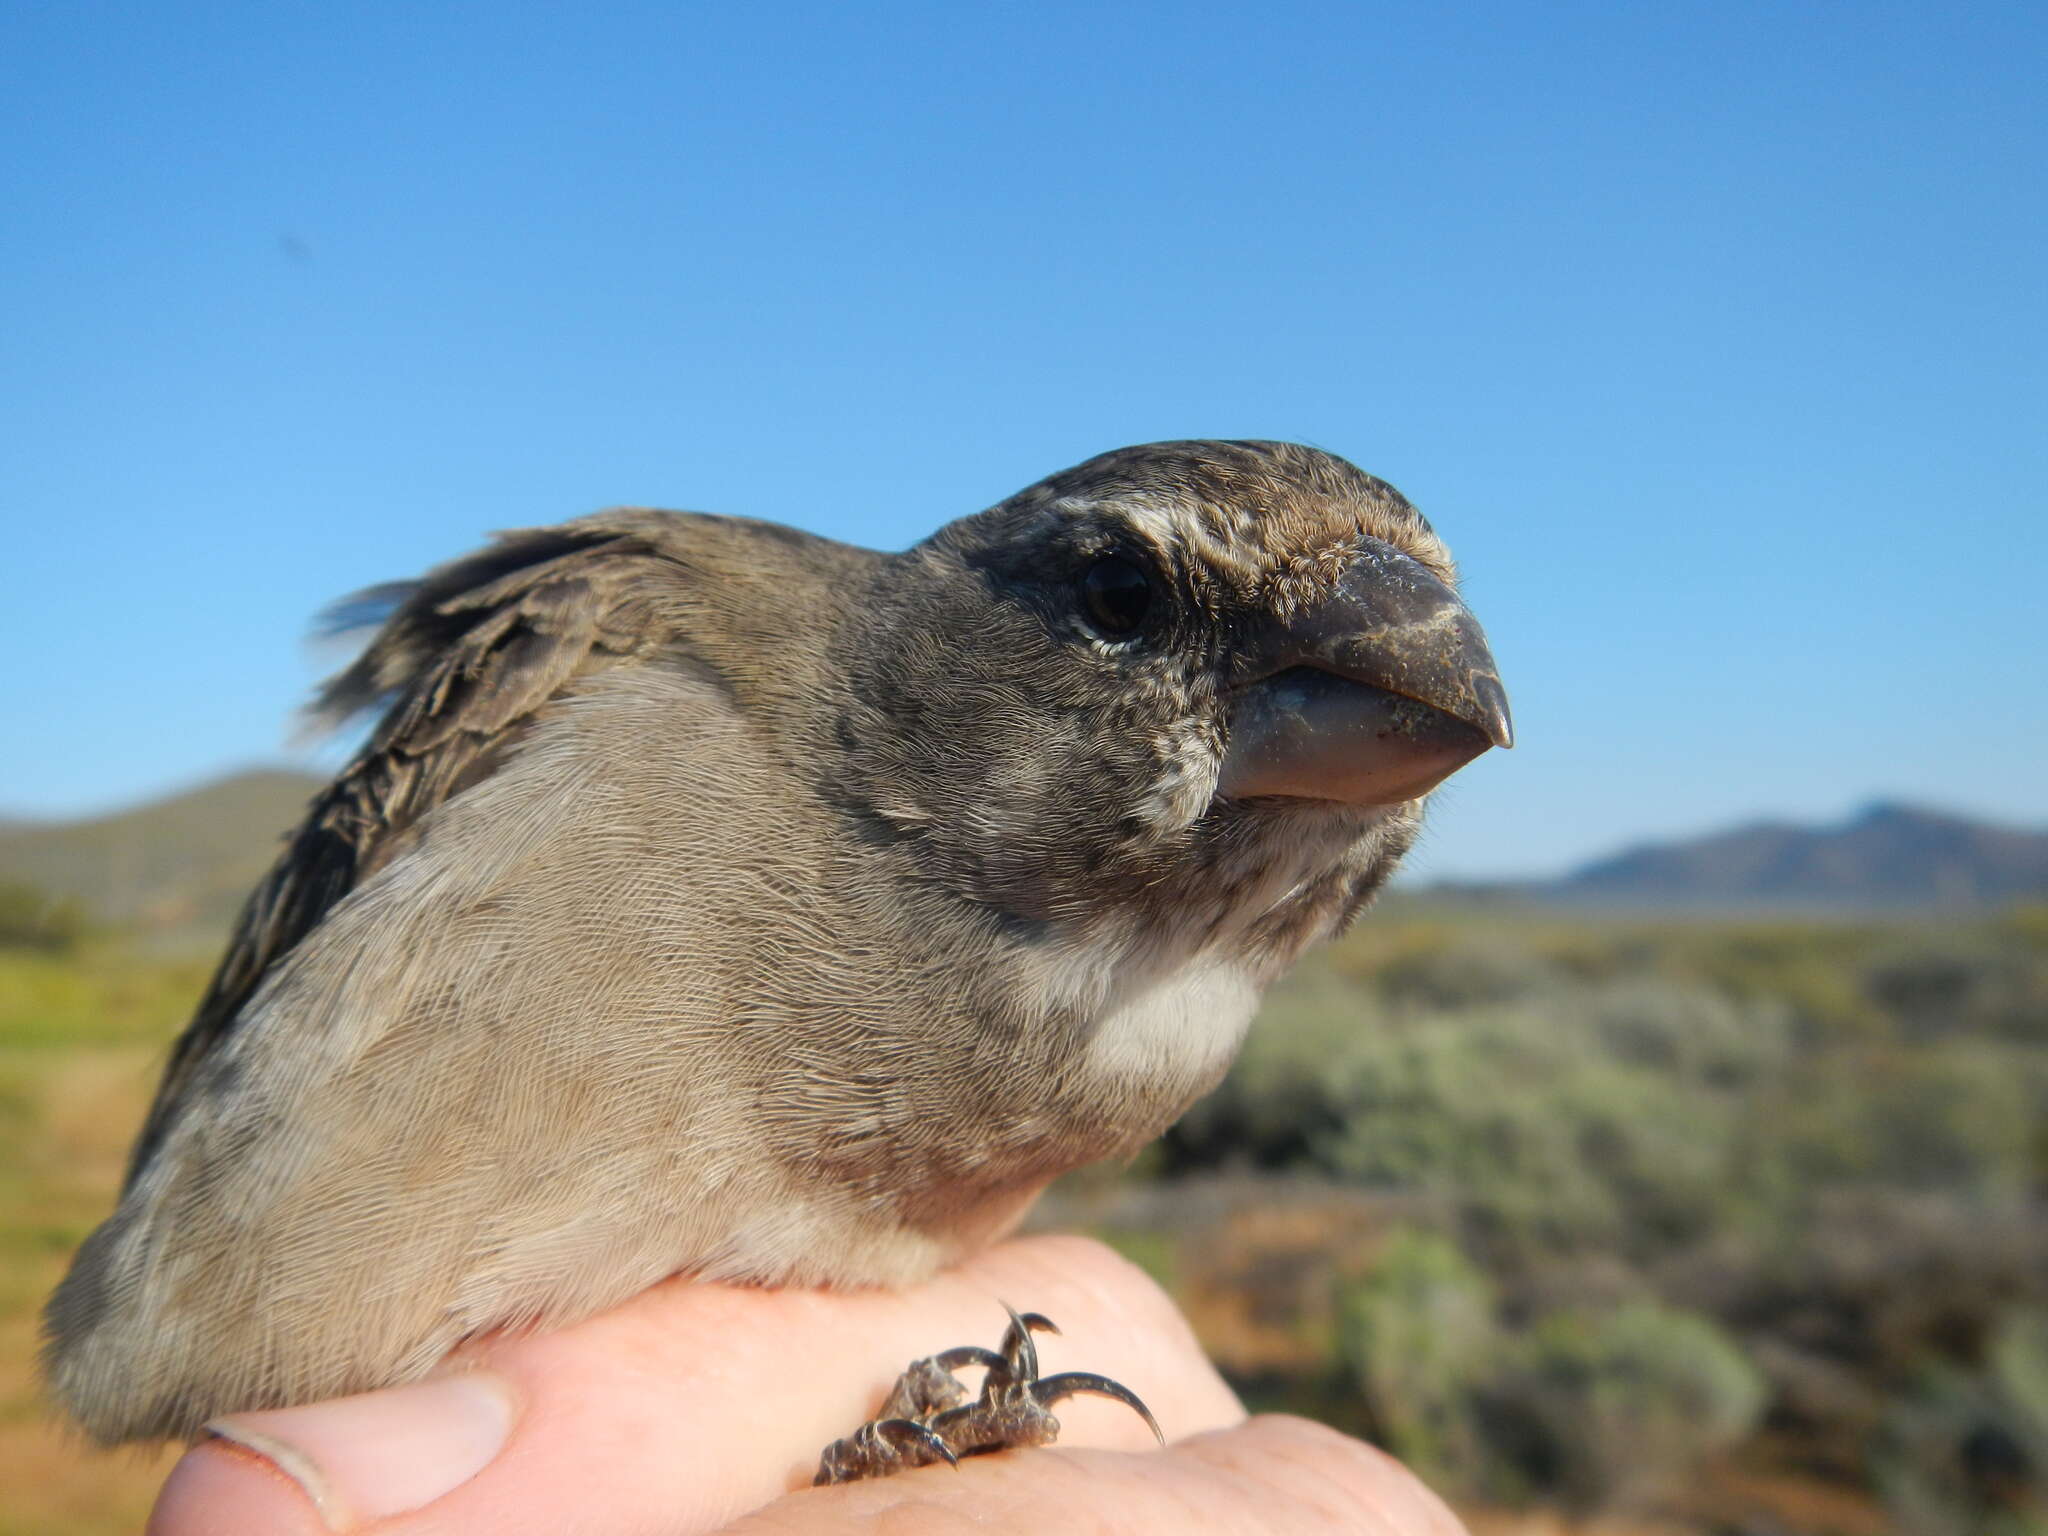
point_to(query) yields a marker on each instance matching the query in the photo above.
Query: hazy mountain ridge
(1887, 856)
(184, 861)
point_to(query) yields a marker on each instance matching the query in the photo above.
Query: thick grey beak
(1376, 695)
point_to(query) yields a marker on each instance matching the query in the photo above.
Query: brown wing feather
(462, 658)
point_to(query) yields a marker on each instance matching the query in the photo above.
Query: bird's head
(1212, 678)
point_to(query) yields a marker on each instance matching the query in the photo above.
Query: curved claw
(1018, 1352)
(971, 1354)
(908, 1432)
(1051, 1389)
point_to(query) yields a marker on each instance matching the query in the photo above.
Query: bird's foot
(930, 1416)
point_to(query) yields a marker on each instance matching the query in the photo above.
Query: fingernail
(382, 1453)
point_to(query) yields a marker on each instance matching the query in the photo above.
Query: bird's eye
(1116, 594)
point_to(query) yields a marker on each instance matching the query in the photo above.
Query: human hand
(698, 1408)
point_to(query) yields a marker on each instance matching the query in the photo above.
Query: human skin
(699, 1408)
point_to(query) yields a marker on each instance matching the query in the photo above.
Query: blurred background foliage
(1607, 1224)
(1704, 1224)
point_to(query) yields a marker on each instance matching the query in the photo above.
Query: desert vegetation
(1733, 1225)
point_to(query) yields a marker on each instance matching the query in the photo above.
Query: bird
(711, 898)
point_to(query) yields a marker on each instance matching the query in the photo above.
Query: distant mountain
(180, 864)
(1885, 856)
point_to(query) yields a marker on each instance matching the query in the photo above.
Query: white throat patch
(1185, 1028)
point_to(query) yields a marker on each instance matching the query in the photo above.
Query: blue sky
(1712, 337)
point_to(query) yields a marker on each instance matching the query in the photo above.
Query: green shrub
(1606, 1115)
(2019, 1372)
(1962, 1117)
(1831, 1138)
(1418, 1335)
(1967, 1450)
(1622, 1406)
(31, 918)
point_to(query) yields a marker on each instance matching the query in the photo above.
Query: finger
(1285, 1476)
(682, 1409)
